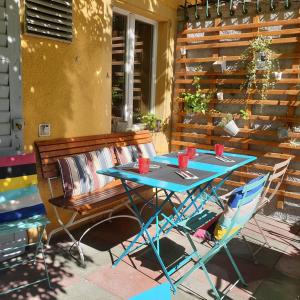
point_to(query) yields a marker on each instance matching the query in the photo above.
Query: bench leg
(63, 227)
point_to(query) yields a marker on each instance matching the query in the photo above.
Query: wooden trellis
(224, 39)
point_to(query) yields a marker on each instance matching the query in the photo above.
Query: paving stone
(278, 287)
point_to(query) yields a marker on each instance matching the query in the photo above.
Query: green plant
(151, 121)
(225, 120)
(244, 114)
(250, 58)
(196, 101)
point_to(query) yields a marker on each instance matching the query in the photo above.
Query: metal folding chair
(38, 222)
(189, 226)
(274, 182)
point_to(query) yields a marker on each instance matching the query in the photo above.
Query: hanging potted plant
(259, 57)
(228, 124)
(196, 101)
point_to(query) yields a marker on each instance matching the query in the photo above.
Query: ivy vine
(259, 57)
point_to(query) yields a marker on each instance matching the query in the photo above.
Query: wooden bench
(103, 201)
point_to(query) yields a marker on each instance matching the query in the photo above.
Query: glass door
(133, 68)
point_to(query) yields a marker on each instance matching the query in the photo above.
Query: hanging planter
(229, 125)
(220, 96)
(278, 75)
(259, 57)
(183, 51)
(219, 66)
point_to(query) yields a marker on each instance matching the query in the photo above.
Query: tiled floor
(276, 276)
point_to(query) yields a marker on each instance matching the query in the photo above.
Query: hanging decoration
(272, 5)
(287, 4)
(219, 13)
(244, 10)
(207, 13)
(197, 17)
(258, 7)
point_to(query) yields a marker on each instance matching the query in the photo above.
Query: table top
(165, 176)
(206, 160)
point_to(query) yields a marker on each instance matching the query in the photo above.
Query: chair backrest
(51, 150)
(274, 182)
(19, 194)
(246, 207)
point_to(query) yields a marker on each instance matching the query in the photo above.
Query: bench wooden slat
(86, 148)
(50, 151)
(68, 145)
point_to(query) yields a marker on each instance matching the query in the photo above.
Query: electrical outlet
(44, 129)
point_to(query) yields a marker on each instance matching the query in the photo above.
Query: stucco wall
(69, 85)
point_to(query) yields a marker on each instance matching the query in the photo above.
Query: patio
(106, 104)
(276, 276)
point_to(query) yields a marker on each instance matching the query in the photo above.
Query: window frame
(129, 64)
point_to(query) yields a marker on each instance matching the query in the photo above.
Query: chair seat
(96, 200)
(21, 225)
(198, 220)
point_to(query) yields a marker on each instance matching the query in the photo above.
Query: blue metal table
(164, 179)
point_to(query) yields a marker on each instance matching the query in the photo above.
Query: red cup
(191, 152)
(219, 149)
(144, 165)
(183, 161)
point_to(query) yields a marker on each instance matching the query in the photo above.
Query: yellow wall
(69, 85)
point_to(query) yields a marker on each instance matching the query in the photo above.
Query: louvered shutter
(11, 137)
(49, 18)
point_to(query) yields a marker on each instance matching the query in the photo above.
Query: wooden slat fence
(209, 40)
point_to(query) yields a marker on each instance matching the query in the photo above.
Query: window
(133, 66)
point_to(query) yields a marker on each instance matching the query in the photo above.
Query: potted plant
(152, 122)
(259, 57)
(196, 101)
(228, 124)
(244, 114)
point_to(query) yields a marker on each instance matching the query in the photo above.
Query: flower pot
(220, 95)
(183, 51)
(231, 128)
(262, 56)
(278, 75)
(219, 66)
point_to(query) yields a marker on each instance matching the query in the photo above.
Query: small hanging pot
(278, 75)
(220, 95)
(231, 128)
(262, 56)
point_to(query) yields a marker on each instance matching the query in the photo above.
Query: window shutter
(49, 18)
(11, 127)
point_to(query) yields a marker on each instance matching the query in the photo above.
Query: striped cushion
(19, 194)
(79, 172)
(126, 154)
(146, 150)
(231, 208)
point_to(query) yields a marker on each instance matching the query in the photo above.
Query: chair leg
(44, 260)
(262, 233)
(250, 250)
(217, 294)
(235, 266)
(202, 265)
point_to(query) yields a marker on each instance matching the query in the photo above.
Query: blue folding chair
(233, 220)
(21, 208)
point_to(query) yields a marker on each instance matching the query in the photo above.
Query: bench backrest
(49, 151)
